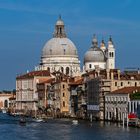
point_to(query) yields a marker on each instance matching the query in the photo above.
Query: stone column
(133, 106)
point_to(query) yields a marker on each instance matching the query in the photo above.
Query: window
(121, 83)
(64, 51)
(63, 86)
(50, 51)
(5, 103)
(135, 84)
(112, 54)
(115, 83)
(67, 70)
(62, 69)
(48, 69)
(63, 104)
(63, 94)
(60, 31)
(90, 66)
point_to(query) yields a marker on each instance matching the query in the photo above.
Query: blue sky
(25, 26)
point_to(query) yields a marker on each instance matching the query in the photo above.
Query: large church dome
(60, 53)
(59, 47)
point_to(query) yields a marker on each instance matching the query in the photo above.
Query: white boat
(4, 111)
(75, 122)
(38, 120)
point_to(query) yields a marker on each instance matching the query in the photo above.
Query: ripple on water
(64, 130)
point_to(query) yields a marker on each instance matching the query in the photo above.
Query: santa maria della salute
(60, 88)
(60, 54)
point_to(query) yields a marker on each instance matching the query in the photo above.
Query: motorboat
(75, 122)
(22, 121)
(4, 111)
(38, 120)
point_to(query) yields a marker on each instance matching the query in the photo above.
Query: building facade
(26, 90)
(60, 53)
(100, 57)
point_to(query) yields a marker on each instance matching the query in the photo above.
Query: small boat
(22, 121)
(38, 120)
(4, 111)
(75, 122)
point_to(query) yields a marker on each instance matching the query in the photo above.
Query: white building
(100, 57)
(120, 103)
(26, 89)
(116, 105)
(60, 53)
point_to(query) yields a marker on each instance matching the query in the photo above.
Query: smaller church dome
(94, 54)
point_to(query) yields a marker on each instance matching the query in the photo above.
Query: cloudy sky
(25, 26)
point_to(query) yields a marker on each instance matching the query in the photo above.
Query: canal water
(64, 130)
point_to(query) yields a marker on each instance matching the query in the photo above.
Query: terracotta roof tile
(77, 82)
(127, 90)
(34, 73)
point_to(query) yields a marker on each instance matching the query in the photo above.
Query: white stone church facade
(60, 54)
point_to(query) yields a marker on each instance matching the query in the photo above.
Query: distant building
(122, 102)
(5, 100)
(78, 97)
(100, 57)
(101, 82)
(26, 89)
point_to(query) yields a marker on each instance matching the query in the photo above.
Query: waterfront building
(60, 53)
(122, 102)
(26, 89)
(100, 82)
(99, 57)
(45, 96)
(116, 105)
(61, 94)
(78, 98)
(5, 100)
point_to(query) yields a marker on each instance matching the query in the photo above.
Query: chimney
(118, 72)
(112, 75)
(108, 73)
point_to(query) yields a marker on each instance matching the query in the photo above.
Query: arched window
(60, 30)
(63, 94)
(63, 104)
(135, 84)
(5, 104)
(90, 66)
(48, 69)
(62, 69)
(67, 70)
(110, 54)
(64, 51)
(50, 51)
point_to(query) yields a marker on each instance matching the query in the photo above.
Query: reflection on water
(64, 130)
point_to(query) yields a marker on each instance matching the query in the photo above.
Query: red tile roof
(77, 82)
(48, 80)
(127, 90)
(34, 73)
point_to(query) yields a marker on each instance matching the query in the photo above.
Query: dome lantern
(59, 29)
